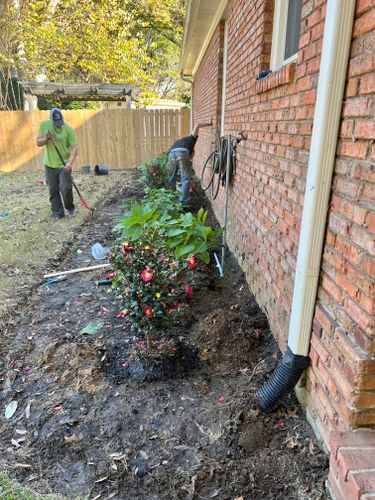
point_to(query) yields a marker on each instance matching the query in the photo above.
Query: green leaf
(184, 250)
(205, 257)
(175, 232)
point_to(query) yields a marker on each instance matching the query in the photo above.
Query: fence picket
(119, 139)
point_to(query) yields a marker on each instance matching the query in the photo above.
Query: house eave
(202, 19)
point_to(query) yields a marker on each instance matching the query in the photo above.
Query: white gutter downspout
(332, 76)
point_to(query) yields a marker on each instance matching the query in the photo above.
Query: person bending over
(180, 160)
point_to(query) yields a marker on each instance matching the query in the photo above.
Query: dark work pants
(59, 182)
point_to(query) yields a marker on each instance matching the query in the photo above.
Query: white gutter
(332, 75)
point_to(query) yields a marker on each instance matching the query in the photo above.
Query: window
(286, 32)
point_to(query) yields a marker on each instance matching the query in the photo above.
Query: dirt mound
(77, 364)
(121, 363)
(227, 337)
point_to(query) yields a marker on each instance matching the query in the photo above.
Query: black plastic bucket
(85, 170)
(101, 170)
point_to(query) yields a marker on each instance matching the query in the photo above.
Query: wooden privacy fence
(118, 139)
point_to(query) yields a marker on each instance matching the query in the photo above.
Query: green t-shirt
(65, 137)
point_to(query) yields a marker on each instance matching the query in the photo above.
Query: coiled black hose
(282, 380)
(226, 146)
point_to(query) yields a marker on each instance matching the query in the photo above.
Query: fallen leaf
(21, 431)
(23, 466)
(91, 328)
(101, 479)
(111, 495)
(118, 456)
(200, 428)
(10, 409)
(312, 447)
(280, 425)
(71, 439)
(144, 455)
(291, 442)
(27, 410)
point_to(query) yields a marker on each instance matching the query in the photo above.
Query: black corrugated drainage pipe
(329, 99)
(282, 380)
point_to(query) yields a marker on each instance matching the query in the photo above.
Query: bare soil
(81, 427)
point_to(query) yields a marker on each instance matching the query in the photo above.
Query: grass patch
(10, 490)
(28, 235)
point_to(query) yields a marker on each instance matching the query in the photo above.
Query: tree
(10, 55)
(109, 41)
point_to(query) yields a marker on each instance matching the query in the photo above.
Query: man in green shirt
(54, 133)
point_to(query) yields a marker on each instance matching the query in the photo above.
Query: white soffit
(201, 21)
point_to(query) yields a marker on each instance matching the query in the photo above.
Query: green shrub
(159, 222)
(150, 285)
(154, 174)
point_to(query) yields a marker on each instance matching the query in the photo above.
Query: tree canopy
(105, 41)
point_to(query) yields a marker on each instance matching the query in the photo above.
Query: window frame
(280, 20)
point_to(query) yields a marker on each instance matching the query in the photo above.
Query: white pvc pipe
(333, 65)
(227, 167)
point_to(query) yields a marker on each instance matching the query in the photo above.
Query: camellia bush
(154, 174)
(150, 284)
(155, 256)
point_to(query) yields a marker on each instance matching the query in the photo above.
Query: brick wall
(266, 197)
(342, 377)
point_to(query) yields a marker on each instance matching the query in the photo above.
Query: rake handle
(84, 202)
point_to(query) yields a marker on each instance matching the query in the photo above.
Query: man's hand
(200, 125)
(48, 136)
(68, 168)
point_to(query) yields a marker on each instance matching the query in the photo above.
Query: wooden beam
(82, 91)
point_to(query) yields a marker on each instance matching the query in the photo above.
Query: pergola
(82, 91)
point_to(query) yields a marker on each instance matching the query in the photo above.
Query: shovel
(84, 202)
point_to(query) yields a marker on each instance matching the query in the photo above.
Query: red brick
(368, 265)
(363, 6)
(367, 84)
(333, 485)
(353, 149)
(351, 89)
(359, 106)
(365, 321)
(365, 481)
(361, 438)
(353, 459)
(364, 63)
(364, 129)
(357, 357)
(364, 23)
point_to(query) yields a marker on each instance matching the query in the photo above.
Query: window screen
(293, 28)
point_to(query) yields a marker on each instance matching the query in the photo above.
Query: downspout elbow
(282, 380)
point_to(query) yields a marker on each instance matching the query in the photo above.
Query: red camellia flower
(110, 255)
(125, 249)
(189, 290)
(191, 262)
(147, 275)
(121, 314)
(148, 312)
(110, 276)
